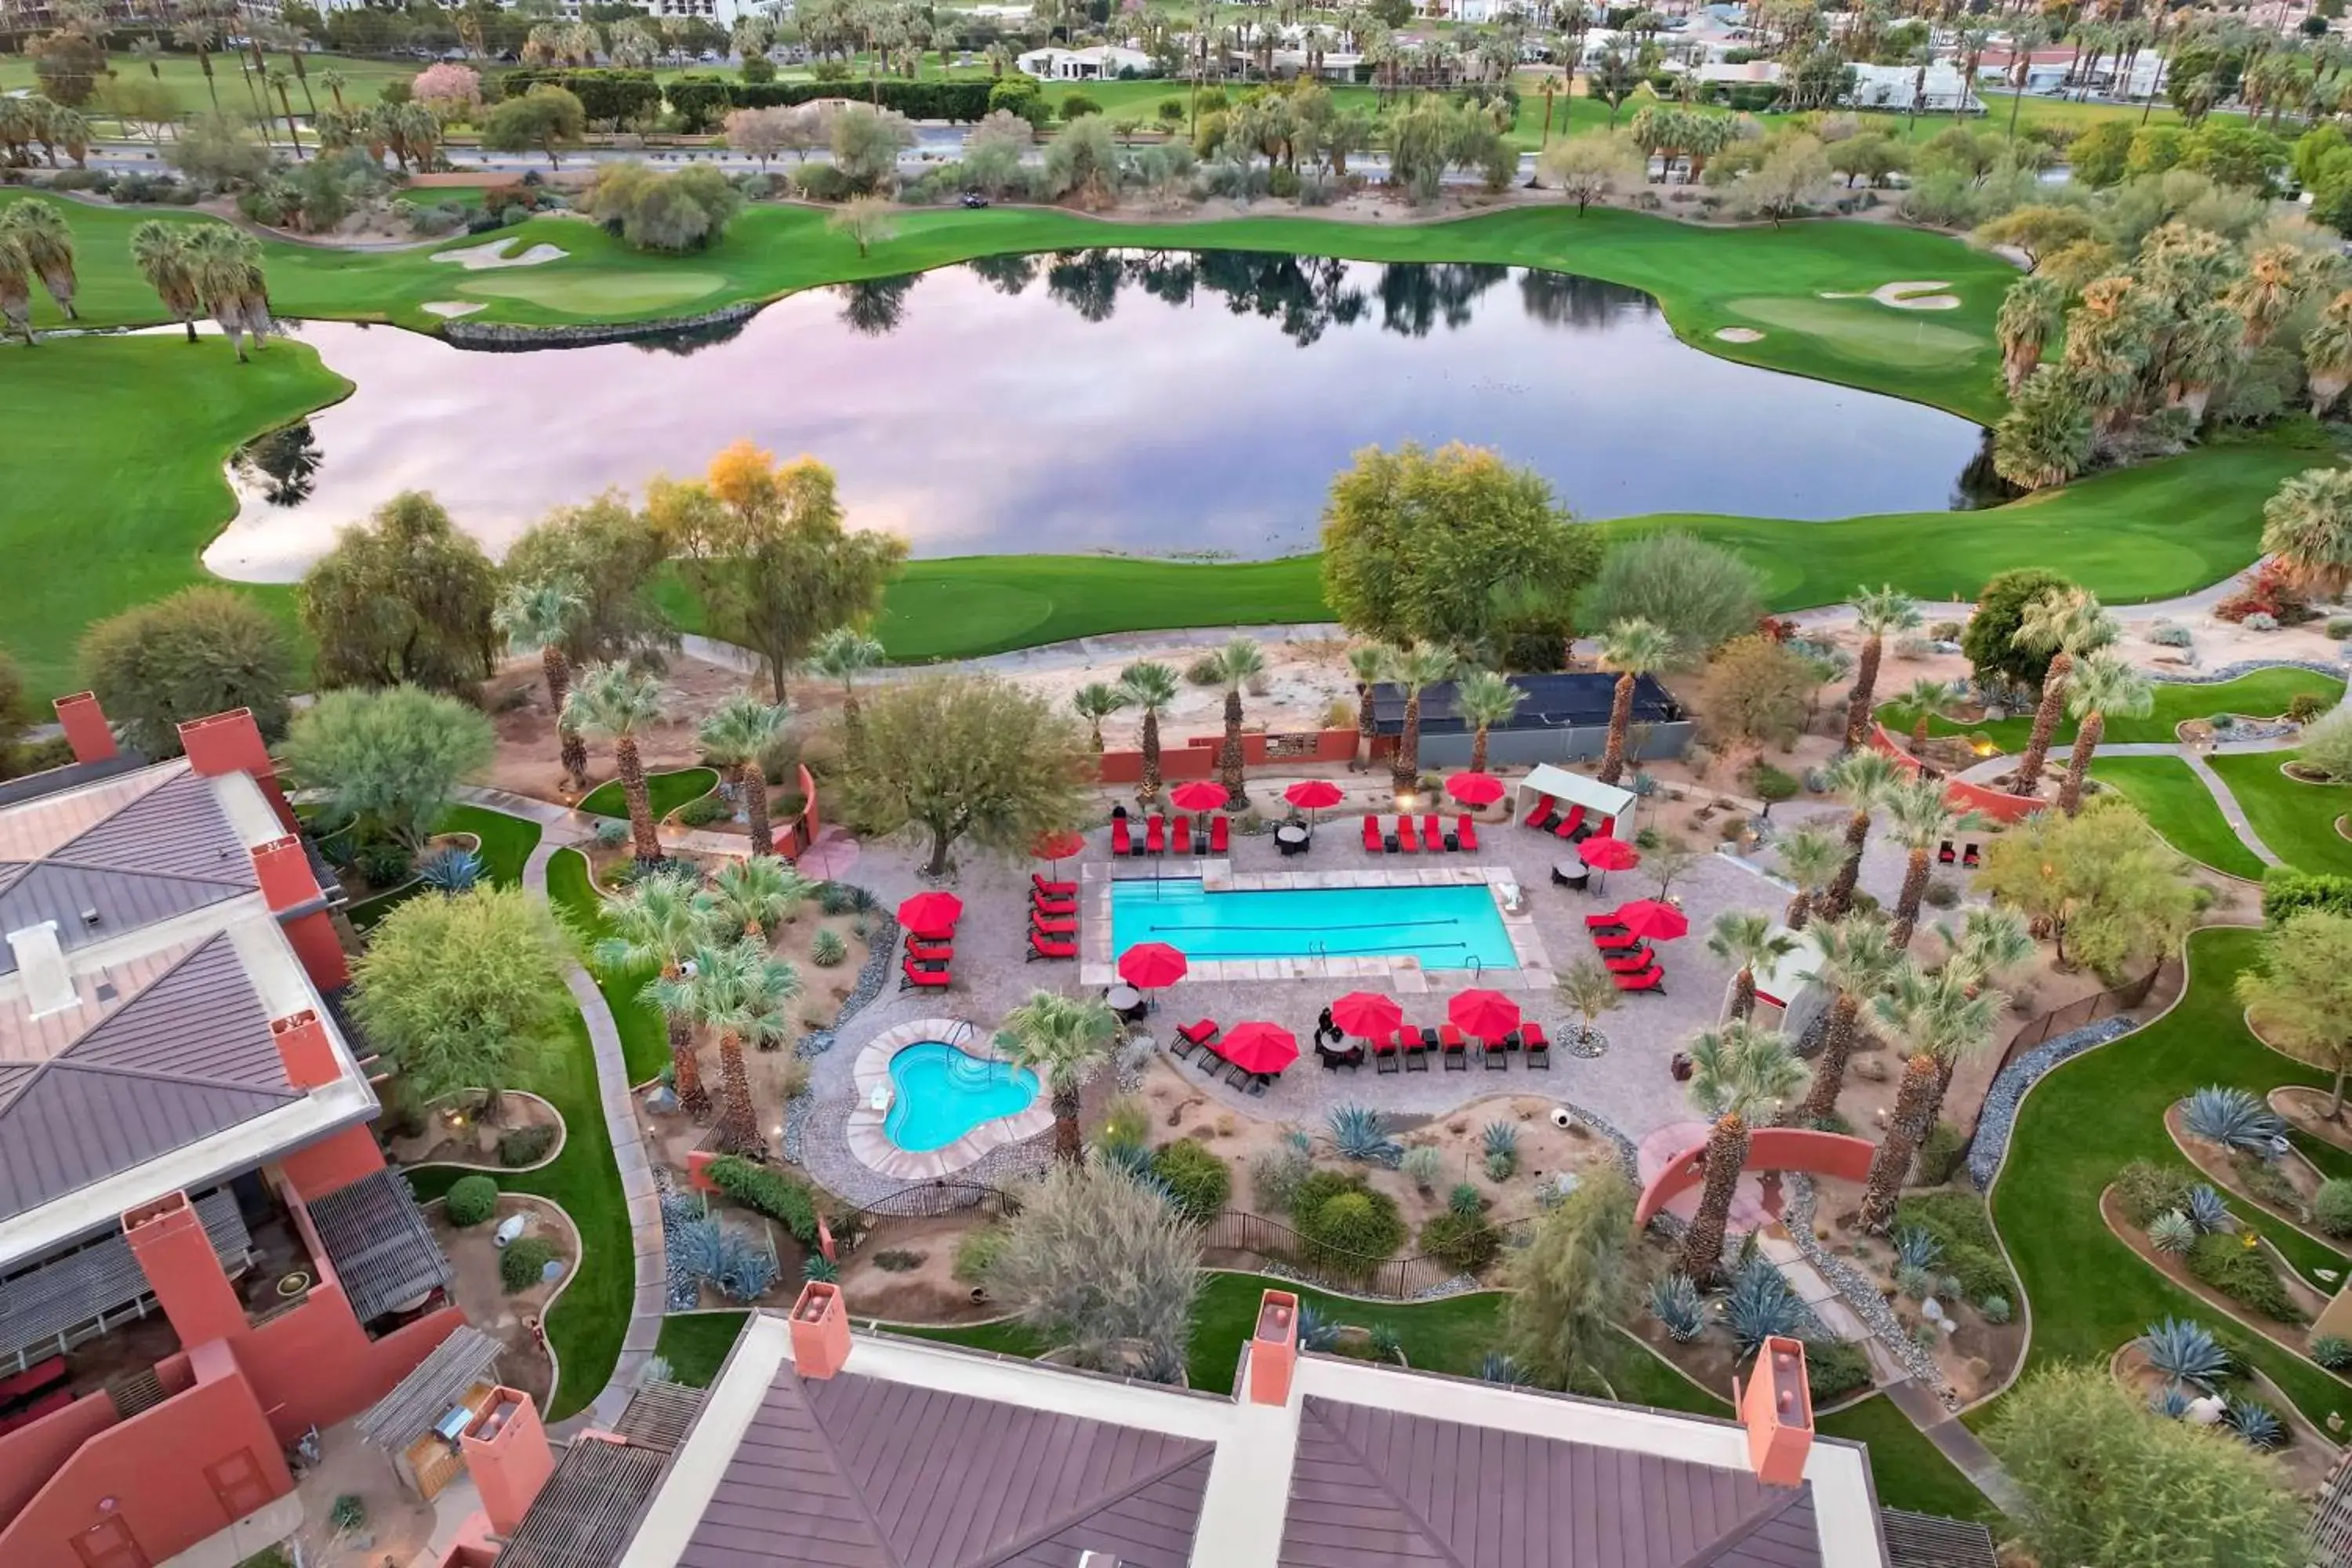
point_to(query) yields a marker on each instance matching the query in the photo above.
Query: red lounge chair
(1602, 922)
(1408, 840)
(1371, 833)
(1199, 1034)
(1615, 941)
(1038, 906)
(1181, 836)
(1945, 854)
(930, 952)
(1122, 842)
(1056, 925)
(1466, 834)
(1536, 1045)
(1569, 824)
(1497, 1054)
(1155, 836)
(912, 977)
(938, 938)
(1042, 888)
(1544, 815)
(1220, 830)
(1628, 962)
(1650, 979)
(1431, 833)
(1050, 947)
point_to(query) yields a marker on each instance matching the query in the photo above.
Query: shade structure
(1475, 789)
(1366, 1014)
(1489, 1014)
(930, 911)
(1058, 845)
(1201, 795)
(1609, 854)
(1259, 1048)
(1653, 921)
(1149, 966)
(1313, 795)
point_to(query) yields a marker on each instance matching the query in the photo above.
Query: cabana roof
(1785, 979)
(1576, 789)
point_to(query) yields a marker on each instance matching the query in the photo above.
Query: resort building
(1563, 718)
(1098, 62)
(203, 1254)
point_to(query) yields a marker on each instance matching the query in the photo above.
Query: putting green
(1865, 329)
(593, 292)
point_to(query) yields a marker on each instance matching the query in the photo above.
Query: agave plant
(1497, 1367)
(2171, 1401)
(1386, 1344)
(1360, 1132)
(2333, 1351)
(1915, 1247)
(819, 1269)
(2172, 1233)
(1500, 1138)
(1316, 1331)
(1674, 1302)
(1465, 1201)
(1424, 1165)
(2257, 1423)
(2208, 1212)
(2232, 1118)
(2184, 1353)
(746, 1268)
(1761, 1306)
(450, 870)
(1915, 1282)
(1996, 1309)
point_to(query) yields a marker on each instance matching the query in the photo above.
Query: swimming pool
(1456, 927)
(940, 1093)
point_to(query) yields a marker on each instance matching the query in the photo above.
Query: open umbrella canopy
(1313, 795)
(1148, 965)
(1489, 1014)
(1366, 1014)
(1653, 921)
(1201, 795)
(1058, 845)
(930, 911)
(1475, 789)
(1609, 854)
(1259, 1048)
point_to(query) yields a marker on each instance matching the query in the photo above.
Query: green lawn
(2178, 806)
(1911, 1471)
(2090, 1118)
(507, 843)
(696, 1344)
(2264, 694)
(363, 79)
(644, 1040)
(2296, 820)
(668, 792)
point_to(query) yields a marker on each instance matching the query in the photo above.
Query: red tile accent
(87, 732)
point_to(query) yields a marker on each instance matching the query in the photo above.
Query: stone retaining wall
(506, 335)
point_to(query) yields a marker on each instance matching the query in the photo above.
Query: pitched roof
(861, 1472)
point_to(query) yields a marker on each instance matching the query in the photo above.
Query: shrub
(704, 809)
(1465, 1243)
(470, 1201)
(2244, 1274)
(897, 1260)
(610, 834)
(1674, 1302)
(1425, 1166)
(827, 949)
(525, 1145)
(2232, 1118)
(822, 183)
(976, 1253)
(772, 1193)
(1943, 894)
(1940, 1153)
(1913, 1281)
(1360, 1132)
(348, 1513)
(1996, 1309)
(2340, 629)
(524, 1260)
(1348, 1227)
(1276, 1174)
(2331, 1206)
(1205, 671)
(1198, 1183)
(816, 1268)
(1834, 1368)
(2259, 621)
(1076, 104)
(385, 862)
(1095, 1260)
(2167, 634)
(1465, 1199)
(1958, 1220)
(2145, 1190)
(2305, 707)
(1384, 1344)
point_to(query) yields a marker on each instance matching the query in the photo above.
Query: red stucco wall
(336, 1161)
(1769, 1149)
(1195, 757)
(1995, 804)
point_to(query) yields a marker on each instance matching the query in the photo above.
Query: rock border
(502, 335)
(1990, 1144)
(1857, 1290)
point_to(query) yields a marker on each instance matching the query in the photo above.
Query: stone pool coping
(1098, 963)
(871, 1144)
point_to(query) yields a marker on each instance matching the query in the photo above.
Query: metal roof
(75, 1288)
(1371, 1486)
(379, 1243)
(430, 1392)
(1930, 1541)
(658, 1414)
(583, 1516)
(1562, 700)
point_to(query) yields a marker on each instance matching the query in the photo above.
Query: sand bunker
(1739, 334)
(484, 258)
(449, 308)
(1906, 296)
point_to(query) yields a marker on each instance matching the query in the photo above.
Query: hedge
(791, 1204)
(470, 1200)
(702, 101)
(607, 97)
(2287, 892)
(523, 1263)
(1196, 1179)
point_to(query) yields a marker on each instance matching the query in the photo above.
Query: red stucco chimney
(1274, 1349)
(1778, 1410)
(507, 1454)
(820, 1331)
(183, 1272)
(231, 743)
(87, 731)
(284, 875)
(304, 1047)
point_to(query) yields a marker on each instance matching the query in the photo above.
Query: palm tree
(16, 288)
(228, 267)
(1919, 817)
(738, 737)
(1877, 612)
(282, 84)
(1746, 940)
(334, 82)
(1483, 699)
(1365, 662)
(1863, 778)
(1413, 669)
(2046, 436)
(739, 992)
(843, 654)
(1942, 1017)
(2268, 291)
(542, 616)
(1739, 1076)
(754, 897)
(1064, 1041)
(653, 927)
(2327, 352)
(1857, 960)
(1588, 990)
(1633, 648)
(1703, 138)
(2308, 526)
(1926, 699)
(616, 701)
(198, 35)
(2030, 316)
(159, 252)
(42, 232)
(2103, 685)
(1239, 661)
(1809, 858)
(2065, 624)
(1152, 688)
(1095, 701)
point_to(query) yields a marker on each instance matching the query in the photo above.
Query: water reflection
(1100, 400)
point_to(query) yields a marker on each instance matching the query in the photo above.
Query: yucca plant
(1915, 1247)
(1316, 1331)
(2257, 1423)
(2208, 1212)
(1497, 1367)
(1160, 1362)
(1360, 1132)
(2184, 1351)
(451, 871)
(2172, 1233)
(1500, 1138)
(819, 1269)
(1674, 1302)
(1465, 1201)
(2232, 1118)
(1761, 1306)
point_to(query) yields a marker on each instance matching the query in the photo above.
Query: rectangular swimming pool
(1445, 928)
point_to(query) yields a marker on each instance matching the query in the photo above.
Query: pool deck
(870, 1139)
(1406, 975)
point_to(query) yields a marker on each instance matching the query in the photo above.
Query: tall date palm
(653, 927)
(615, 701)
(2103, 685)
(1633, 648)
(1877, 613)
(1944, 1017)
(1739, 1076)
(2066, 623)
(541, 615)
(1862, 777)
(1065, 1041)
(843, 654)
(1239, 662)
(1413, 670)
(1856, 961)
(1746, 940)
(1483, 699)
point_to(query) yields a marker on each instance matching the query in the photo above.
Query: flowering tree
(450, 91)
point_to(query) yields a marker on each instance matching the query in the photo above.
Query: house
(2048, 70)
(203, 1254)
(1943, 90)
(817, 1445)
(1562, 717)
(1098, 62)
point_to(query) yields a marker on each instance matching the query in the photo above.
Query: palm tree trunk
(1865, 682)
(738, 1129)
(753, 782)
(1891, 1166)
(1801, 906)
(1915, 891)
(1229, 765)
(1478, 751)
(1620, 720)
(686, 1072)
(1068, 1144)
(1726, 1151)
(571, 748)
(1919, 731)
(2078, 765)
(1147, 789)
(1406, 768)
(1364, 715)
(1743, 994)
(1838, 896)
(1829, 1073)
(853, 722)
(2045, 724)
(641, 801)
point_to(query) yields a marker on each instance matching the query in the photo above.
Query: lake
(1149, 403)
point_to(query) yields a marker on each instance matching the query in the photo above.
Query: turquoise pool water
(1445, 928)
(942, 1093)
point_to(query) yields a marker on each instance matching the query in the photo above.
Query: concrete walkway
(2231, 811)
(1956, 1443)
(565, 826)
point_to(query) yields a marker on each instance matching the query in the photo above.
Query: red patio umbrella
(1311, 796)
(1259, 1048)
(1604, 854)
(1149, 966)
(1475, 789)
(1489, 1014)
(1058, 845)
(1653, 921)
(930, 911)
(1201, 795)
(1367, 1014)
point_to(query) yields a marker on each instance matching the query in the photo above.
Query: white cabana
(1605, 802)
(1787, 977)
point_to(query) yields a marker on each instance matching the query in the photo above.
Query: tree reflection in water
(282, 467)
